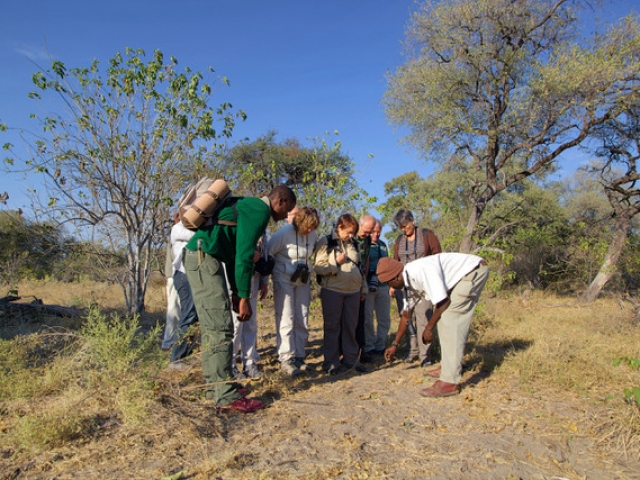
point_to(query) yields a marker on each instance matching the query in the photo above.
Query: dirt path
(349, 426)
(373, 425)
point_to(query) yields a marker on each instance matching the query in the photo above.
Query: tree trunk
(623, 224)
(467, 244)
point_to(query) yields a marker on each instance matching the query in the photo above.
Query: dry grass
(539, 368)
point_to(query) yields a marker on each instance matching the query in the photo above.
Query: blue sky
(300, 67)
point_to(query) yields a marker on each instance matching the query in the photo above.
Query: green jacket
(234, 244)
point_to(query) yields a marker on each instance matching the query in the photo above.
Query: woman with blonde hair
(291, 248)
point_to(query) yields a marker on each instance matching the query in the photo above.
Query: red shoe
(441, 389)
(244, 405)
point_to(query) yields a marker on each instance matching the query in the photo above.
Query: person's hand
(235, 303)
(341, 258)
(244, 310)
(392, 292)
(363, 297)
(427, 336)
(264, 288)
(389, 352)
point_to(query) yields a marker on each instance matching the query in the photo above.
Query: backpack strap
(396, 248)
(230, 223)
(425, 239)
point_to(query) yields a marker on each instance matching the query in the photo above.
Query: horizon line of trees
(494, 92)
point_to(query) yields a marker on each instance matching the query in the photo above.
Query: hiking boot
(332, 370)
(241, 390)
(244, 405)
(179, 365)
(358, 367)
(366, 357)
(237, 374)
(253, 372)
(290, 368)
(410, 358)
(426, 362)
(441, 389)
(299, 363)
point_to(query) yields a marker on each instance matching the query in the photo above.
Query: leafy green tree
(527, 228)
(503, 86)
(27, 249)
(435, 202)
(320, 174)
(619, 176)
(117, 148)
(590, 220)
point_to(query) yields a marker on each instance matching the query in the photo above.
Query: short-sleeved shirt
(433, 277)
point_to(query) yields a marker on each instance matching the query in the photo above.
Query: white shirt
(290, 248)
(433, 277)
(180, 236)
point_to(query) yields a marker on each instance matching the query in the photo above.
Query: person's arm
(264, 288)
(431, 243)
(427, 334)
(244, 309)
(390, 351)
(326, 262)
(253, 217)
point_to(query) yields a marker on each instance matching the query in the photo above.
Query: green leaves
(501, 85)
(122, 137)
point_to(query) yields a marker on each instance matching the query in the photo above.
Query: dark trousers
(339, 311)
(360, 337)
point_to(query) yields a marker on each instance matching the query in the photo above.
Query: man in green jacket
(231, 240)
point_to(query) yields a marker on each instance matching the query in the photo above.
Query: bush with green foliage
(108, 366)
(27, 248)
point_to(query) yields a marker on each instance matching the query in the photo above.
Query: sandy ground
(348, 426)
(352, 425)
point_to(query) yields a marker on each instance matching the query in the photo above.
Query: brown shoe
(441, 389)
(434, 373)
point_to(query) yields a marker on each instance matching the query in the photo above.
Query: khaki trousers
(453, 326)
(210, 295)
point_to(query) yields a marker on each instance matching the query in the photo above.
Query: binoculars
(302, 273)
(373, 282)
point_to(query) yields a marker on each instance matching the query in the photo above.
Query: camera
(302, 273)
(264, 266)
(373, 282)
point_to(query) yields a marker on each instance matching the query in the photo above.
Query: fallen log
(9, 304)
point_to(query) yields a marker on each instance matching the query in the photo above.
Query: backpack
(264, 265)
(201, 201)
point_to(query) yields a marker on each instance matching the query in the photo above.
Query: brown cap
(388, 269)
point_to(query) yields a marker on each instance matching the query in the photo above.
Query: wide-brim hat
(388, 269)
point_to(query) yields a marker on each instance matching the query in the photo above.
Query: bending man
(453, 283)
